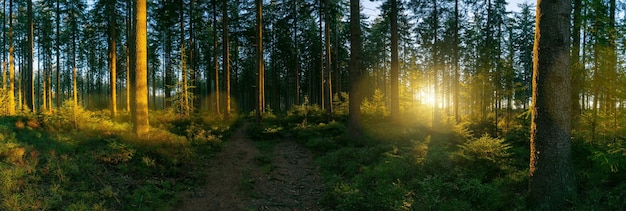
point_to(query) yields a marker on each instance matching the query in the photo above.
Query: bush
(485, 148)
(375, 107)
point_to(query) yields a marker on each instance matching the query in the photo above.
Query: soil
(245, 177)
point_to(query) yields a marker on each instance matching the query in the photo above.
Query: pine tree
(354, 113)
(140, 117)
(551, 182)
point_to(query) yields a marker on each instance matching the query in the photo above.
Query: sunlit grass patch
(84, 160)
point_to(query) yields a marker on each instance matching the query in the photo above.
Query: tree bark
(296, 53)
(576, 65)
(11, 63)
(395, 92)
(551, 182)
(354, 102)
(226, 58)
(259, 60)
(113, 57)
(329, 82)
(456, 94)
(183, 62)
(216, 63)
(140, 119)
(436, 63)
(59, 91)
(29, 86)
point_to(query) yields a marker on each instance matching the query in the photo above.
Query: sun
(426, 97)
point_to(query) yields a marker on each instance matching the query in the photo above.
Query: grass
(48, 164)
(407, 165)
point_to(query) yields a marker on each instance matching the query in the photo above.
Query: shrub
(375, 107)
(485, 148)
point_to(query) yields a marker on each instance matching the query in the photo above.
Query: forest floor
(249, 175)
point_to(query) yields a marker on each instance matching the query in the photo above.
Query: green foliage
(375, 107)
(486, 148)
(47, 163)
(340, 105)
(403, 168)
(306, 114)
(478, 127)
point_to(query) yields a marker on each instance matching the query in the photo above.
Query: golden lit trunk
(113, 59)
(11, 63)
(140, 119)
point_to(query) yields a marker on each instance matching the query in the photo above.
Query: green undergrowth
(407, 165)
(76, 159)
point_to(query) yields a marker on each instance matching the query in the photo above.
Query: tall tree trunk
(4, 59)
(551, 182)
(576, 65)
(457, 102)
(183, 59)
(612, 64)
(113, 57)
(436, 64)
(43, 78)
(259, 60)
(59, 91)
(354, 114)
(28, 74)
(140, 119)
(168, 68)
(195, 90)
(395, 92)
(74, 80)
(329, 82)
(215, 57)
(226, 61)
(11, 63)
(131, 58)
(296, 53)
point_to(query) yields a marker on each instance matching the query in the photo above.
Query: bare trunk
(395, 92)
(259, 60)
(354, 113)
(552, 182)
(226, 53)
(140, 119)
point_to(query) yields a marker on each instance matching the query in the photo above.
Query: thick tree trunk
(140, 119)
(551, 182)
(354, 114)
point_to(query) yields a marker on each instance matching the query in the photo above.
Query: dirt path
(242, 177)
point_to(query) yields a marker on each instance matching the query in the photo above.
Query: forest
(412, 105)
